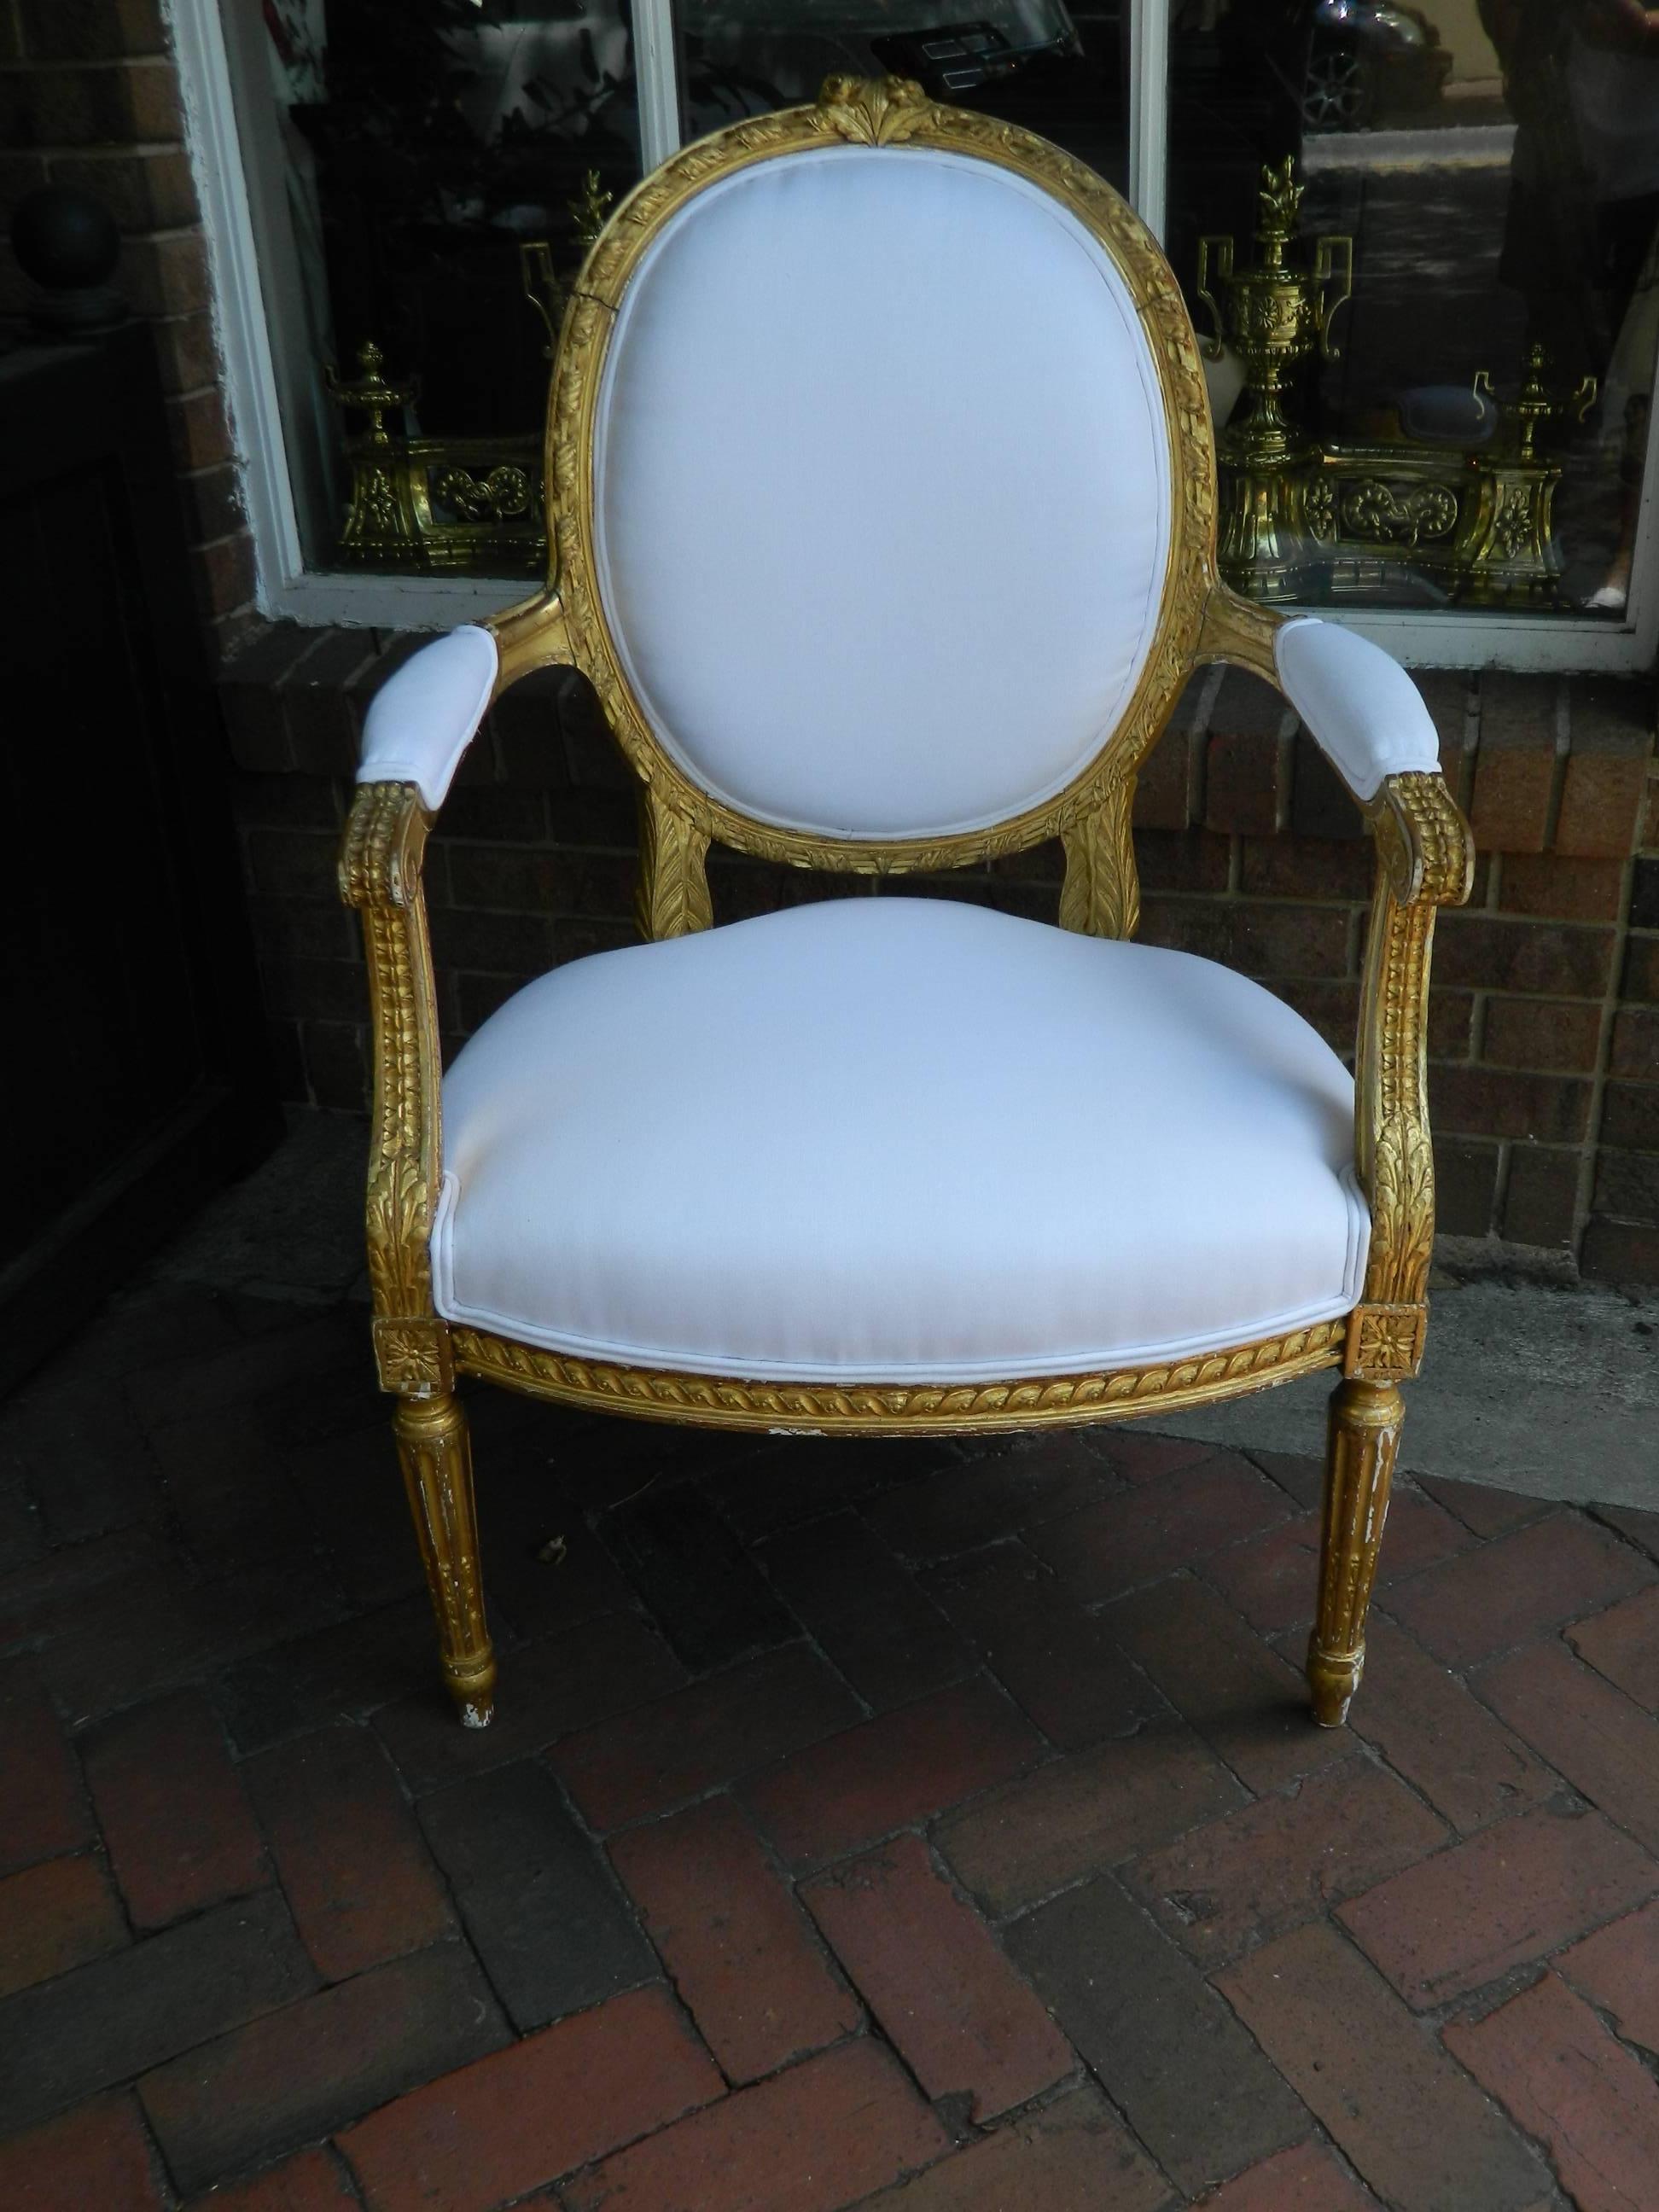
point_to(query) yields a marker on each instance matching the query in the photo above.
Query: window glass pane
(1057, 70)
(1492, 168)
(422, 146)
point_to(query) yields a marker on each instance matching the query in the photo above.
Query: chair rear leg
(1364, 1438)
(437, 1463)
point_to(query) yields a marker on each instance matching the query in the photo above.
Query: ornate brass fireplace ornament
(436, 505)
(1302, 518)
(448, 505)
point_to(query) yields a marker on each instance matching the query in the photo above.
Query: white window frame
(230, 183)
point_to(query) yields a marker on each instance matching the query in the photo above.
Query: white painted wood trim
(656, 75)
(1149, 112)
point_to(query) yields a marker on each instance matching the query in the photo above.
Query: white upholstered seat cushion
(895, 1140)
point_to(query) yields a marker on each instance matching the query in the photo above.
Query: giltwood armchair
(883, 499)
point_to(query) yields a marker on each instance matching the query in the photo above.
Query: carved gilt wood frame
(1422, 842)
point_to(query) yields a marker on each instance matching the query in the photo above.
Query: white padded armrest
(1365, 714)
(421, 721)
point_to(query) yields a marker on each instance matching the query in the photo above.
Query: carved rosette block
(437, 1464)
(1364, 1436)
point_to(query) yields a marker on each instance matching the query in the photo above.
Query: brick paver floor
(907, 1827)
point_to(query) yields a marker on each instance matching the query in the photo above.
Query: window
(1423, 248)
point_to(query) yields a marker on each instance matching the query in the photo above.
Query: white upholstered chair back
(879, 515)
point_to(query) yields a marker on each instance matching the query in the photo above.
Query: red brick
(1246, 773)
(1573, 2086)
(1511, 809)
(1056, 1661)
(1623, 1643)
(963, 2020)
(1505, 1899)
(1483, 1509)
(1109, 1548)
(1244, 1700)
(1257, 1872)
(1619, 1252)
(1601, 803)
(1418, 2129)
(358, 1876)
(702, 1736)
(178, 1826)
(560, 1684)
(1537, 1578)
(310, 2182)
(960, 1507)
(1175, 2060)
(1305, 2180)
(539, 2109)
(296, 2074)
(95, 2160)
(1072, 2156)
(1150, 1458)
(1544, 883)
(1509, 1103)
(1618, 1969)
(1274, 1578)
(1607, 1747)
(53, 1916)
(897, 1769)
(1553, 1033)
(1540, 1204)
(1636, 1044)
(742, 1957)
(51, 1815)
(1080, 1815)
(866, 1609)
(816, 2137)
(1499, 952)
(40, 1599)
(1432, 1730)
(1641, 1528)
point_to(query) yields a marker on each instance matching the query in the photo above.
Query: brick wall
(89, 97)
(1545, 1034)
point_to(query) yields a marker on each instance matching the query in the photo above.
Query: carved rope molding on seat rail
(1037, 1401)
(380, 876)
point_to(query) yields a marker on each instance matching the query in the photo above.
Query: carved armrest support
(380, 876)
(1425, 861)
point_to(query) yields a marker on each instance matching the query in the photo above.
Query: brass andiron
(434, 505)
(449, 505)
(1276, 316)
(1306, 518)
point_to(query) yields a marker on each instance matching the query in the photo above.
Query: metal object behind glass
(1309, 518)
(453, 505)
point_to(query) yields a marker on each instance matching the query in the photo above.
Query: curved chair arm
(1367, 716)
(419, 724)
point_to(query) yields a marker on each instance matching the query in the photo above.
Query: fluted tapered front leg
(437, 1463)
(1364, 1434)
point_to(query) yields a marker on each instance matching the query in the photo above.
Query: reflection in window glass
(1468, 429)
(1056, 69)
(424, 142)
